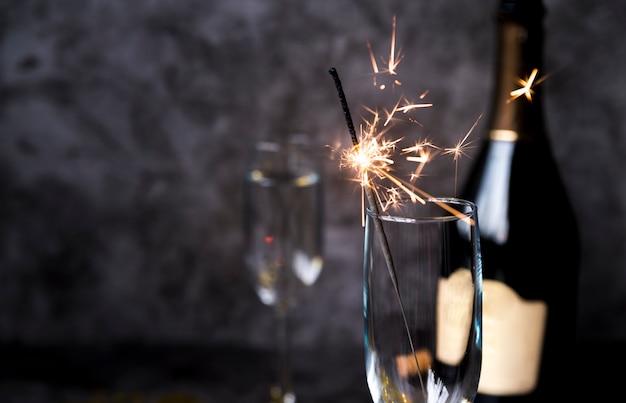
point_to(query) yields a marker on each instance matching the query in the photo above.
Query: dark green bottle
(529, 235)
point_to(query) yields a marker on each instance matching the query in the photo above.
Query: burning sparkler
(372, 157)
(372, 153)
(382, 237)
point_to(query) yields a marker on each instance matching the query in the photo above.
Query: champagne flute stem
(282, 392)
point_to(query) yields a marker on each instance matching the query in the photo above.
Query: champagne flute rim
(452, 208)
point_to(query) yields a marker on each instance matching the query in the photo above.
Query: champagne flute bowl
(423, 302)
(283, 218)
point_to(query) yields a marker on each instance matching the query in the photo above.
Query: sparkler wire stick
(368, 191)
(344, 105)
(377, 221)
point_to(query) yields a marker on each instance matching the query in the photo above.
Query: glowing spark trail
(407, 107)
(526, 88)
(422, 151)
(372, 157)
(392, 62)
(459, 150)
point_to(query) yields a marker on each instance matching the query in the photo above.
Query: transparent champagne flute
(423, 302)
(283, 218)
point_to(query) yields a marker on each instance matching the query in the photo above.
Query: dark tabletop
(174, 374)
(231, 374)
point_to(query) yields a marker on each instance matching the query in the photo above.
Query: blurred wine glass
(423, 302)
(283, 218)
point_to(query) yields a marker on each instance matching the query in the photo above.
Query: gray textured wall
(123, 129)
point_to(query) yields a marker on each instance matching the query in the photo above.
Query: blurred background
(124, 128)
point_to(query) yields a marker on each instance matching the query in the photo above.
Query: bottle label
(454, 316)
(513, 330)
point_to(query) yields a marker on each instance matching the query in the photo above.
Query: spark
(526, 89)
(393, 62)
(373, 159)
(374, 64)
(370, 158)
(423, 151)
(459, 150)
(405, 108)
(395, 57)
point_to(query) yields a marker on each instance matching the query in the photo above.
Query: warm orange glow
(459, 150)
(372, 157)
(526, 88)
(422, 154)
(373, 160)
(406, 107)
(392, 62)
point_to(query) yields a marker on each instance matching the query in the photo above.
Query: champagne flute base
(277, 395)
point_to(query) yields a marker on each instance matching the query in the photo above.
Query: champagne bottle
(529, 234)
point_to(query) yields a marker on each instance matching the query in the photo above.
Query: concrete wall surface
(123, 135)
